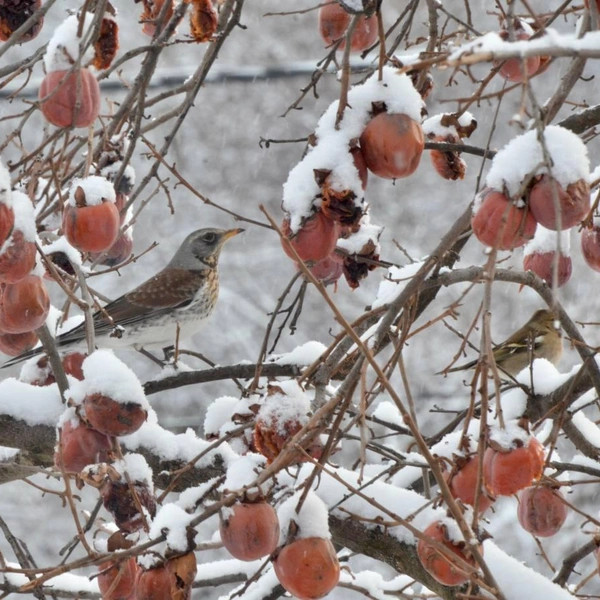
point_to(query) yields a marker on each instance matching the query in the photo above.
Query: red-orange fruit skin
(308, 568)
(113, 418)
(92, 228)
(505, 473)
(542, 510)
(392, 144)
(70, 98)
(251, 532)
(499, 223)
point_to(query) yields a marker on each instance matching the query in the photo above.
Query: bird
(538, 338)
(183, 295)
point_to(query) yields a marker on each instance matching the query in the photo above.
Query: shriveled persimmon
(112, 417)
(334, 21)
(448, 163)
(308, 568)
(123, 501)
(171, 580)
(508, 470)
(542, 510)
(249, 530)
(14, 14)
(315, 239)
(392, 144)
(500, 223)
(203, 20)
(80, 446)
(437, 564)
(573, 203)
(24, 305)
(151, 15)
(117, 580)
(70, 98)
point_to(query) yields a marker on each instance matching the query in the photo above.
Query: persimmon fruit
(14, 344)
(18, 259)
(506, 471)
(542, 264)
(111, 417)
(315, 239)
(392, 144)
(334, 21)
(590, 246)
(573, 203)
(80, 446)
(250, 530)
(542, 510)
(24, 305)
(70, 98)
(307, 568)
(462, 482)
(498, 222)
(438, 565)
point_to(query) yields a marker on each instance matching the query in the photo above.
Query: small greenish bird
(538, 338)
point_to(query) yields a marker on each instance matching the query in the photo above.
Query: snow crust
(105, 374)
(63, 48)
(24, 217)
(136, 467)
(177, 447)
(312, 520)
(172, 521)
(290, 406)
(544, 376)
(33, 404)
(507, 436)
(514, 578)
(366, 236)
(243, 471)
(523, 157)
(218, 413)
(394, 283)
(303, 355)
(96, 189)
(396, 502)
(500, 49)
(433, 125)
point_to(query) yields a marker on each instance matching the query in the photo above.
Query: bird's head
(543, 320)
(202, 248)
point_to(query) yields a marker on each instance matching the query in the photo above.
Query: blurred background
(218, 151)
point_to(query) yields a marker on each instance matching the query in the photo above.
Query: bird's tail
(15, 360)
(464, 367)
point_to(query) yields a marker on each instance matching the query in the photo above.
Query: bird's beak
(230, 233)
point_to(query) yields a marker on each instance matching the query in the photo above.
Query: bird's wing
(167, 290)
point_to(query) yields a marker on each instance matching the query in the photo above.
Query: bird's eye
(209, 237)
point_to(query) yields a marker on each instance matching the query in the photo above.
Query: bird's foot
(169, 354)
(151, 356)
